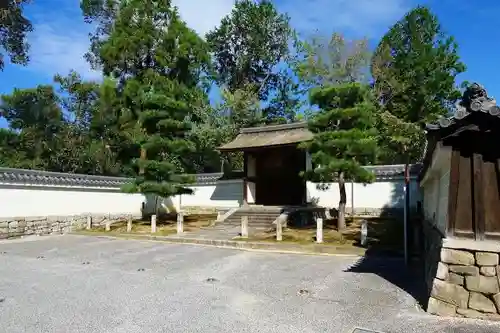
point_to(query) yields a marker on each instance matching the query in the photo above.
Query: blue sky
(60, 36)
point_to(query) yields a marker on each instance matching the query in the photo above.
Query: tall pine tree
(414, 69)
(345, 137)
(158, 62)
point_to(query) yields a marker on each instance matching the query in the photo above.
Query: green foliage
(345, 137)
(150, 117)
(331, 60)
(248, 44)
(14, 28)
(69, 129)
(37, 118)
(211, 130)
(285, 102)
(220, 124)
(414, 70)
(158, 63)
(402, 141)
(101, 14)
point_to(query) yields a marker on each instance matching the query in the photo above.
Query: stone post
(108, 225)
(180, 223)
(319, 230)
(89, 222)
(129, 224)
(153, 224)
(279, 230)
(244, 226)
(364, 232)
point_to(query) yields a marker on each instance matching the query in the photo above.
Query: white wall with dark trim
(40, 193)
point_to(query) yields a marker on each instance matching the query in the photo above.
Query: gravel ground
(89, 284)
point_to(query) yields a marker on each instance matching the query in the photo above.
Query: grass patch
(384, 234)
(164, 226)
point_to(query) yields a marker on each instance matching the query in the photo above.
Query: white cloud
(60, 37)
(203, 15)
(359, 17)
(59, 49)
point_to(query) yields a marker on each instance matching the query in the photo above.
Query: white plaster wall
(379, 194)
(435, 185)
(430, 196)
(251, 187)
(442, 202)
(66, 201)
(39, 201)
(226, 194)
(435, 194)
(19, 201)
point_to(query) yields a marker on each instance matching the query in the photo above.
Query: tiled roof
(10, 176)
(475, 107)
(44, 178)
(37, 177)
(207, 178)
(391, 171)
(475, 100)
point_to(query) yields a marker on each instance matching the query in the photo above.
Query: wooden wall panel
(478, 208)
(491, 199)
(463, 226)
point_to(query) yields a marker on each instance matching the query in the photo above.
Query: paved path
(89, 284)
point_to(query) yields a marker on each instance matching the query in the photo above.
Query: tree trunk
(343, 200)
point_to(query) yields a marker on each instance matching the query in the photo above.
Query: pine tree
(14, 29)
(247, 46)
(414, 69)
(345, 137)
(158, 62)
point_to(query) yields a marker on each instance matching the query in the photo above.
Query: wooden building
(461, 176)
(273, 162)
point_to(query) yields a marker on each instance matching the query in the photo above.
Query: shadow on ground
(393, 269)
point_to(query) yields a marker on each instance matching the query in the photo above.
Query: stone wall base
(50, 225)
(467, 280)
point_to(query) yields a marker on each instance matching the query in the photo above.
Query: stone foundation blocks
(450, 293)
(441, 308)
(482, 284)
(457, 257)
(466, 282)
(482, 303)
(486, 259)
(39, 225)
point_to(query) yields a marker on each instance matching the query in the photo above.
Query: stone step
(261, 217)
(252, 218)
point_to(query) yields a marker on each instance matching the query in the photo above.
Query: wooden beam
(463, 221)
(478, 197)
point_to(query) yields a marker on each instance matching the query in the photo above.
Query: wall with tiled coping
(39, 202)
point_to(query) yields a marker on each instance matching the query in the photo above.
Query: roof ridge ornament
(460, 110)
(475, 98)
